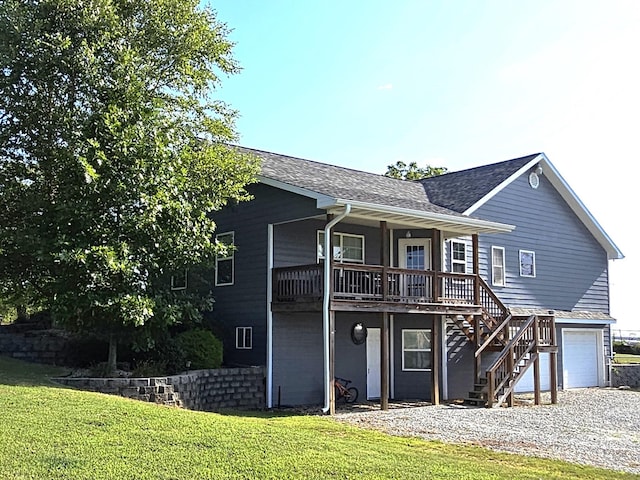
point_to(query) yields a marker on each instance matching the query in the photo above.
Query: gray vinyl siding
(298, 361)
(296, 243)
(571, 266)
(409, 385)
(244, 303)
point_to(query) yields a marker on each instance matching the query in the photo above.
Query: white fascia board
(502, 185)
(586, 321)
(495, 227)
(581, 211)
(569, 196)
(319, 197)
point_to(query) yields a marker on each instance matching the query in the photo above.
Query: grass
(47, 432)
(626, 358)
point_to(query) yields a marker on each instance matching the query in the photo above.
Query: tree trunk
(113, 354)
(22, 312)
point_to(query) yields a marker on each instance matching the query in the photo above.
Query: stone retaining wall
(207, 390)
(625, 375)
(38, 346)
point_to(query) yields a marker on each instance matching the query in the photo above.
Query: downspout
(325, 303)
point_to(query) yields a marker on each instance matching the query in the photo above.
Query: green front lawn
(47, 432)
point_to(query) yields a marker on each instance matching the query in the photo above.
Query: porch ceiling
(395, 217)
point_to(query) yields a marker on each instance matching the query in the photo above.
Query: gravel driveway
(599, 426)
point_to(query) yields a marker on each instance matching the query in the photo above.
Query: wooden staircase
(519, 341)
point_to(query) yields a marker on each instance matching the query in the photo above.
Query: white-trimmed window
(416, 350)
(179, 281)
(497, 267)
(347, 247)
(527, 263)
(458, 256)
(225, 261)
(244, 338)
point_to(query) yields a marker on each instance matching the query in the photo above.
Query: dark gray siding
(244, 303)
(298, 361)
(409, 385)
(460, 361)
(296, 243)
(571, 266)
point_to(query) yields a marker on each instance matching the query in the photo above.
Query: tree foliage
(112, 157)
(412, 172)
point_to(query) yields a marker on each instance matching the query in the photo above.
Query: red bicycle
(344, 391)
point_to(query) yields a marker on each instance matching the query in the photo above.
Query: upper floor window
(497, 267)
(527, 263)
(458, 256)
(346, 247)
(179, 280)
(225, 261)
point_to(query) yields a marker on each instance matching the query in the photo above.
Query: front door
(415, 254)
(373, 363)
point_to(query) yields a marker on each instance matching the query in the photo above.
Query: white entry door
(373, 363)
(414, 253)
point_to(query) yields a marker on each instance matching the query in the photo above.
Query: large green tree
(412, 171)
(112, 158)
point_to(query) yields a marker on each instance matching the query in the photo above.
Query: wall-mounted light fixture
(408, 234)
(538, 169)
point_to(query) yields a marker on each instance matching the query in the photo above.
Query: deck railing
(367, 283)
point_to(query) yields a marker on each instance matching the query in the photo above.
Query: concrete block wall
(625, 375)
(206, 390)
(38, 346)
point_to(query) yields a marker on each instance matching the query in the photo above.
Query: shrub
(84, 352)
(201, 349)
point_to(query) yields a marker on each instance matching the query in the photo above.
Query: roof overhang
(396, 217)
(569, 196)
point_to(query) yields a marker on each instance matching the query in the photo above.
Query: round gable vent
(534, 180)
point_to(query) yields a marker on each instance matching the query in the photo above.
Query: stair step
(478, 395)
(476, 402)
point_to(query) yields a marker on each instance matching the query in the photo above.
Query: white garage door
(581, 358)
(526, 382)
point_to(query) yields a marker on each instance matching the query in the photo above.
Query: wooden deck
(376, 289)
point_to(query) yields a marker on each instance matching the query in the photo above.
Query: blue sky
(458, 84)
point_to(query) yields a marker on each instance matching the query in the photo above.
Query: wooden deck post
(384, 363)
(384, 337)
(553, 362)
(435, 361)
(536, 362)
(476, 268)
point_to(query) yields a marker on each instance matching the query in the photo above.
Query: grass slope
(48, 432)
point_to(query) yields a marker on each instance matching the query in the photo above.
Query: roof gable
(466, 191)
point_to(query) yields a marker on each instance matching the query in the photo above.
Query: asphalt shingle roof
(345, 183)
(450, 194)
(462, 189)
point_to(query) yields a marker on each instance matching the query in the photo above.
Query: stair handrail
(493, 335)
(505, 354)
(498, 303)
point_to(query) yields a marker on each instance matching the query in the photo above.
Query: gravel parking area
(598, 427)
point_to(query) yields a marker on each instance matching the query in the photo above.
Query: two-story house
(472, 284)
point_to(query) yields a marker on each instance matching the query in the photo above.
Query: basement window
(416, 350)
(244, 338)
